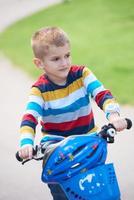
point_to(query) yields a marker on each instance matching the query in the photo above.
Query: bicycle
(80, 159)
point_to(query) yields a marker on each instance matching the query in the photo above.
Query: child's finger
(120, 124)
(30, 152)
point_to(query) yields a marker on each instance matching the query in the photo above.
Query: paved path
(13, 10)
(16, 181)
(23, 182)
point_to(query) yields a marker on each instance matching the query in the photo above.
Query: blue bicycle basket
(72, 156)
(99, 183)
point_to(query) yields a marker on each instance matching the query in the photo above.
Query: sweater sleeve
(103, 97)
(30, 118)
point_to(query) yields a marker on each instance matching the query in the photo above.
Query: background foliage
(102, 36)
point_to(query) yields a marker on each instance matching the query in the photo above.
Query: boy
(60, 98)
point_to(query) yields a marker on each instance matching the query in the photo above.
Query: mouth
(63, 69)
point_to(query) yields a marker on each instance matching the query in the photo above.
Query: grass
(102, 36)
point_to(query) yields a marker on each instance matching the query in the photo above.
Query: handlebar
(38, 154)
(107, 132)
(129, 123)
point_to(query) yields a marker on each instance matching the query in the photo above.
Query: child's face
(57, 63)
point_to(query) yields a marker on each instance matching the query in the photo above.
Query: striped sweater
(65, 110)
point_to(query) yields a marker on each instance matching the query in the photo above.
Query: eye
(55, 59)
(67, 55)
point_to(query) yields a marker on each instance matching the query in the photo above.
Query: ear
(38, 63)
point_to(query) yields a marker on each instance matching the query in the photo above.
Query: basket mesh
(99, 183)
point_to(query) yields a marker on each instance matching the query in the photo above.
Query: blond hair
(43, 38)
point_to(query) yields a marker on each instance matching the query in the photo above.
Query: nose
(63, 62)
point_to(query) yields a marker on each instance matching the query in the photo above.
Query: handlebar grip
(18, 157)
(129, 123)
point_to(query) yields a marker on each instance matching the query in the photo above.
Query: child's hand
(26, 152)
(119, 123)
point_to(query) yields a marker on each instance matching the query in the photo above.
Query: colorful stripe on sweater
(65, 110)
